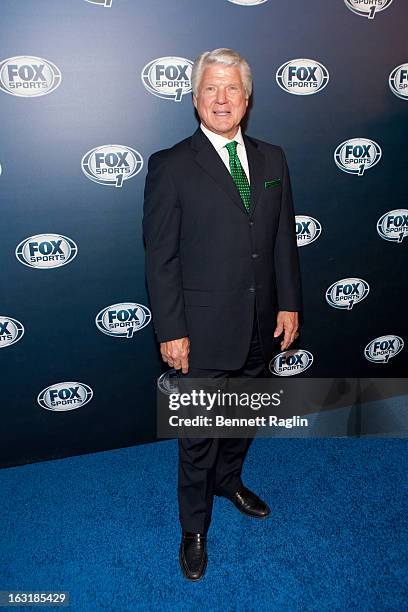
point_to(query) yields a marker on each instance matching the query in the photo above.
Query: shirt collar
(218, 141)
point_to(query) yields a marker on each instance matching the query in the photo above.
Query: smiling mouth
(222, 113)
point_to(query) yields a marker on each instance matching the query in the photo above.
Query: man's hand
(175, 353)
(287, 322)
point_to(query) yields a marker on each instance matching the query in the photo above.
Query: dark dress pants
(213, 464)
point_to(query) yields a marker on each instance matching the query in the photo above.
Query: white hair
(225, 56)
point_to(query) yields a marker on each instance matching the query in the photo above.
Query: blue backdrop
(88, 90)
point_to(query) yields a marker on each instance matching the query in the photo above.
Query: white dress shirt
(219, 143)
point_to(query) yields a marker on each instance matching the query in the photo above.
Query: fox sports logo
(347, 292)
(302, 77)
(123, 320)
(28, 76)
(367, 8)
(398, 81)
(167, 382)
(111, 164)
(105, 3)
(248, 2)
(46, 251)
(357, 155)
(168, 78)
(383, 348)
(64, 396)
(308, 230)
(393, 226)
(11, 331)
(290, 363)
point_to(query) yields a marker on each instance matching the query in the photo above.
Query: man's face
(221, 100)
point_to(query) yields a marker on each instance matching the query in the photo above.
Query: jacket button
(254, 255)
(252, 289)
(251, 223)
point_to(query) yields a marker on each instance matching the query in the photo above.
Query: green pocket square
(272, 183)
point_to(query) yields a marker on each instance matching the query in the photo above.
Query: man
(223, 275)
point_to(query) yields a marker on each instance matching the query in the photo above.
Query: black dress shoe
(193, 555)
(248, 503)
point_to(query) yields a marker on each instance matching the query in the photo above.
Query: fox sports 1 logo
(367, 8)
(123, 320)
(383, 348)
(11, 331)
(302, 77)
(398, 81)
(46, 251)
(167, 383)
(308, 230)
(168, 78)
(248, 2)
(105, 3)
(290, 363)
(347, 292)
(111, 164)
(64, 396)
(393, 225)
(357, 155)
(28, 76)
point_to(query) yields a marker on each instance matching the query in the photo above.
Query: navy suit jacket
(208, 260)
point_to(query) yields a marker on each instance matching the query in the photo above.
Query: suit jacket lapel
(208, 158)
(256, 162)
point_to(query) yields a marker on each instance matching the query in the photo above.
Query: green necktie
(238, 174)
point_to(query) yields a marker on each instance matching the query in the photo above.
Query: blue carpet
(105, 528)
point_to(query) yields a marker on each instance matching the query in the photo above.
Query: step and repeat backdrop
(88, 91)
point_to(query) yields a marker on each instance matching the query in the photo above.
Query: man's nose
(221, 97)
